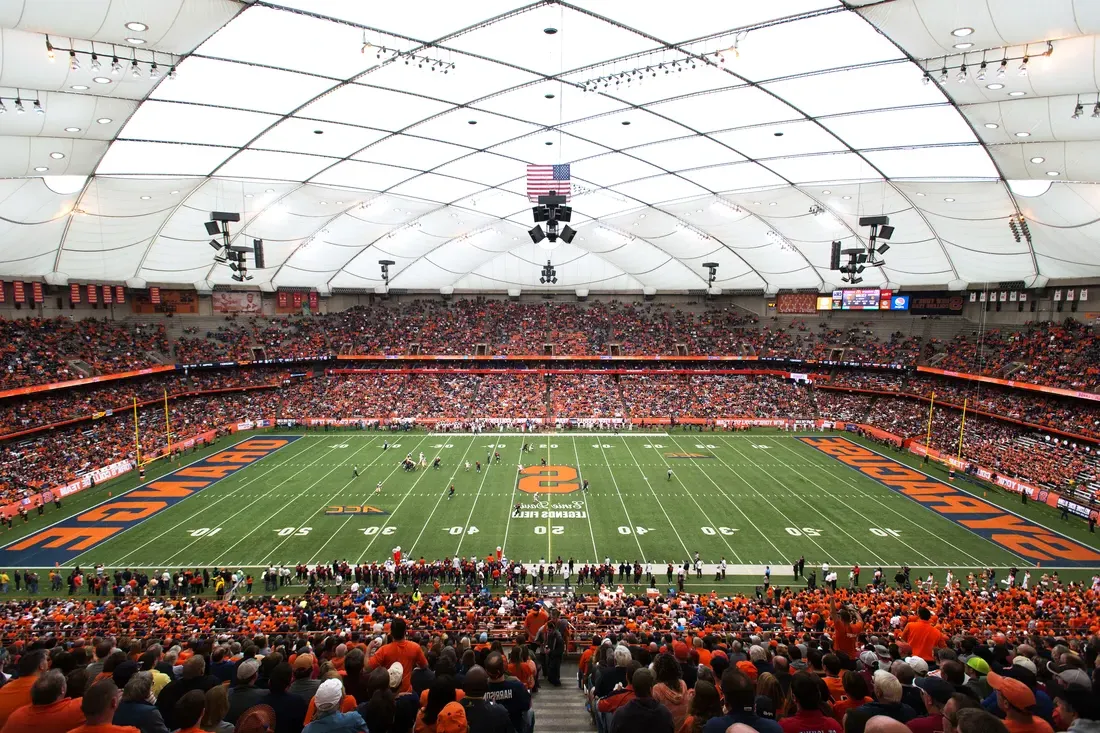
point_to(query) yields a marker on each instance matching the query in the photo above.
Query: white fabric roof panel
(338, 154)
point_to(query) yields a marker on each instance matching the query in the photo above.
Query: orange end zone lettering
(1019, 536)
(168, 489)
(73, 536)
(60, 537)
(122, 511)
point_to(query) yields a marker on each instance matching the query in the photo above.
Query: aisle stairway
(561, 709)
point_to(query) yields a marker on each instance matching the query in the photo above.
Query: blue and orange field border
(68, 539)
(1027, 540)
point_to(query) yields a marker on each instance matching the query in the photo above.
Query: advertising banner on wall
(936, 303)
(236, 302)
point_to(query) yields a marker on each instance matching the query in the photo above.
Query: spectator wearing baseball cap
(935, 693)
(1043, 707)
(303, 686)
(977, 670)
(1077, 709)
(1015, 699)
(245, 694)
(329, 718)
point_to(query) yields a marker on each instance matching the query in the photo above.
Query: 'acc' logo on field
(548, 480)
(364, 509)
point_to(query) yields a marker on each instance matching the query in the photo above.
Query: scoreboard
(864, 299)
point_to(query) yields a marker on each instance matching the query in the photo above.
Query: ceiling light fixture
(1096, 107)
(49, 50)
(101, 80)
(1022, 70)
(96, 65)
(981, 72)
(964, 46)
(104, 120)
(154, 71)
(57, 156)
(994, 86)
(1016, 94)
(1053, 173)
(137, 27)
(72, 129)
(38, 107)
(992, 125)
(949, 200)
(962, 32)
(1078, 110)
(19, 106)
(1038, 159)
(1023, 134)
(135, 70)
(961, 76)
(74, 63)
(116, 66)
(40, 169)
(1002, 68)
(146, 198)
(79, 87)
(136, 41)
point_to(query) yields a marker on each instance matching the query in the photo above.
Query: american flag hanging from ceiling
(542, 179)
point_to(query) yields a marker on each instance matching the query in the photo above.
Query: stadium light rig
(552, 210)
(225, 252)
(860, 258)
(386, 269)
(549, 274)
(712, 271)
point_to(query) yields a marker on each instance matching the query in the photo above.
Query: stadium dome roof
(760, 132)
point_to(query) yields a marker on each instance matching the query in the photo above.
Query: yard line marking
(473, 506)
(883, 505)
(693, 501)
(340, 529)
(250, 505)
(633, 528)
(762, 496)
(400, 503)
(800, 497)
(249, 482)
(675, 531)
(584, 495)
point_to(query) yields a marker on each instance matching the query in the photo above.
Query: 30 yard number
(371, 531)
(711, 531)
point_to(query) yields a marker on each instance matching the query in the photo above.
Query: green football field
(751, 498)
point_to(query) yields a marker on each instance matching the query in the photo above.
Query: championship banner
(37, 291)
(1012, 296)
(236, 302)
(973, 297)
(74, 293)
(1004, 296)
(1069, 295)
(314, 297)
(108, 295)
(296, 297)
(1083, 295)
(120, 294)
(282, 299)
(154, 296)
(1057, 296)
(93, 295)
(1023, 297)
(1, 291)
(983, 296)
(20, 294)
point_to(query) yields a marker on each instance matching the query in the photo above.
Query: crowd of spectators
(1065, 354)
(585, 396)
(39, 350)
(293, 337)
(959, 656)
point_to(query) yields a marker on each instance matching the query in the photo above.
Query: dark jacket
(513, 697)
(242, 698)
(899, 711)
(304, 688)
(173, 691)
(608, 678)
(486, 717)
(290, 711)
(754, 721)
(142, 715)
(642, 714)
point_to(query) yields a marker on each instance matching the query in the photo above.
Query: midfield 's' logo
(548, 480)
(364, 509)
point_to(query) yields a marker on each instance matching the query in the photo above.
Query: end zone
(73, 536)
(1021, 537)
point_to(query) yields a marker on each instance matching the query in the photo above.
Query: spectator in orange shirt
(99, 704)
(846, 629)
(536, 619)
(923, 636)
(399, 650)
(17, 693)
(49, 712)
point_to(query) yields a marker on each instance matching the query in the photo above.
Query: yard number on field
(807, 531)
(653, 445)
(461, 530)
(297, 531)
(339, 445)
(710, 531)
(635, 530)
(205, 531)
(708, 446)
(443, 445)
(885, 532)
(762, 446)
(371, 531)
(539, 529)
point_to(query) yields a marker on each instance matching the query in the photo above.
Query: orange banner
(535, 357)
